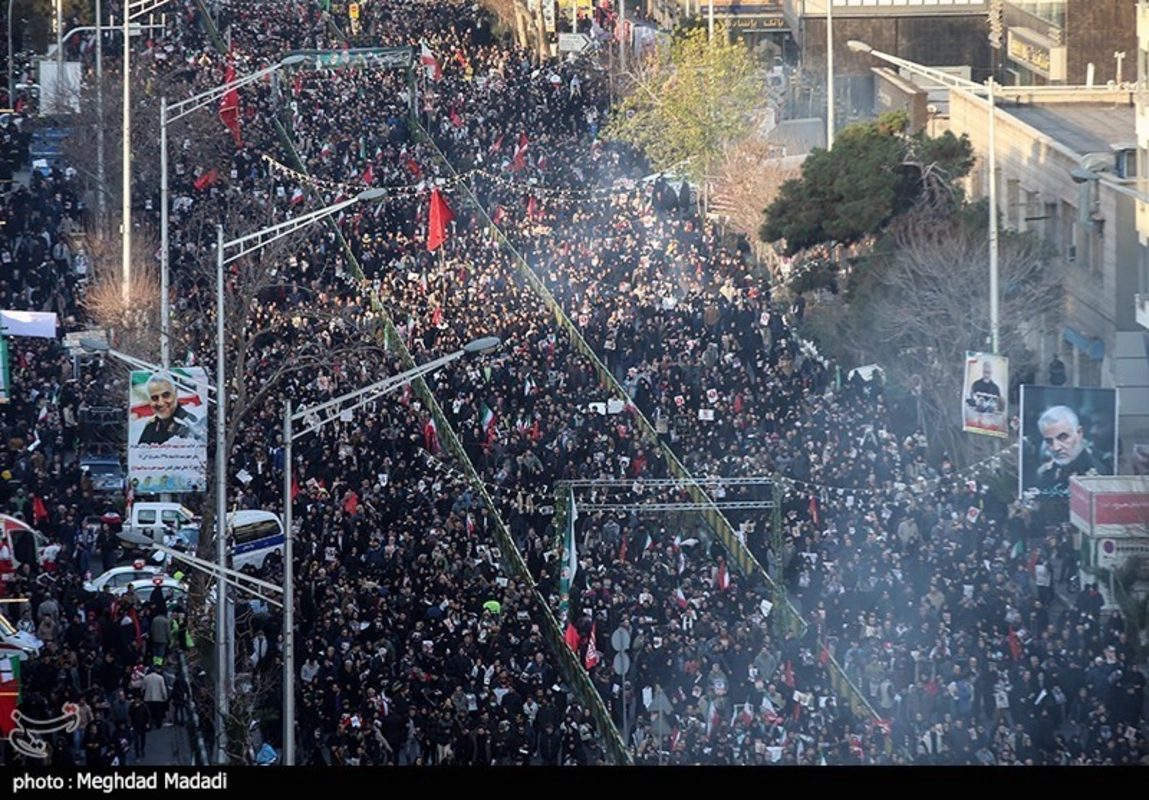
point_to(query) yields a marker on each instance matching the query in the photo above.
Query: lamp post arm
(181, 109)
(143, 7)
(145, 366)
(261, 239)
(234, 577)
(944, 78)
(331, 409)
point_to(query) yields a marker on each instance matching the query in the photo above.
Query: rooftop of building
(1082, 127)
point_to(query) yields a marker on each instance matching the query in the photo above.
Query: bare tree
(747, 181)
(918, 309)
(515, 15)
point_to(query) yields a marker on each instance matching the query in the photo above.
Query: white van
(154, 520)
(254, 535)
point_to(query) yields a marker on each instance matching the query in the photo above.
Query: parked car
(24, 645)
(119, 577)
(175, 591)
(106, 473)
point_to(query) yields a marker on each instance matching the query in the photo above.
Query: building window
(1096, 252)
(1012, 200)
(1068, 231)
(1143, 270)
(1051, 225)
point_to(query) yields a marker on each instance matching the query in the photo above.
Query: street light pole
(315, 418)
(994, 277)
(288, 597)
(165, 301)
(101, 199)
(142, 7)
(59, 56)
(126, 172)
(222, 667)
(829, 74)
(11, 61)
(168, 115)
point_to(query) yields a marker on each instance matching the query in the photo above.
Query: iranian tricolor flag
(570, 549)
(487, 421)
(722, 578)
(429, 62)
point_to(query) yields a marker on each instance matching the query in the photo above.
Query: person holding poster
(984, 408)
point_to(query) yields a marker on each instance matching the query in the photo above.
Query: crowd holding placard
(415, 643)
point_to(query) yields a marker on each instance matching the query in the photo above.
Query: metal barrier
(572, 670)
(719, 524)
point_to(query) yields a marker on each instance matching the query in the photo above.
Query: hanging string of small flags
(414, 190)
(799, 488)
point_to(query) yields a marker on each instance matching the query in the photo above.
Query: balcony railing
(1142, 305)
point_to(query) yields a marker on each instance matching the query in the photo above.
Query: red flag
(369, 175)
(824, 659)
(622, 551)
(39, 512)
(206, 180)
(413, 168)
(294, 486)
(520, 160)
(680, 597)
(788, 675)
(497, 146)
(499, 216)
(532, 208)
(1014, 644)
(814, 509)
(456, 120)
(440, 216)
(572, 638)
(593, 656)
(229, 106)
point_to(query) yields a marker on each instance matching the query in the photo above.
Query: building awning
(1093, 348)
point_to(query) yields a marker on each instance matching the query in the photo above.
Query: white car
(12, 641)
(175, 591)
(119, 577)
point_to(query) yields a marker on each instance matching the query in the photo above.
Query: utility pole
(829, 74)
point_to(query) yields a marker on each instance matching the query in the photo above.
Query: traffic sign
(621, 664)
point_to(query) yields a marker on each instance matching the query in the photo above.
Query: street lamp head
(1080, 175)
(371, 194)
(859, 46)
(487, 344)
(292, 60)
(95, 345)
(137, 539)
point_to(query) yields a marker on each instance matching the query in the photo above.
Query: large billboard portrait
(167, 431)
(984, 404)
(1065, 431)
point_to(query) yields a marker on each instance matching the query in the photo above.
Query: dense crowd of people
(416, 643)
